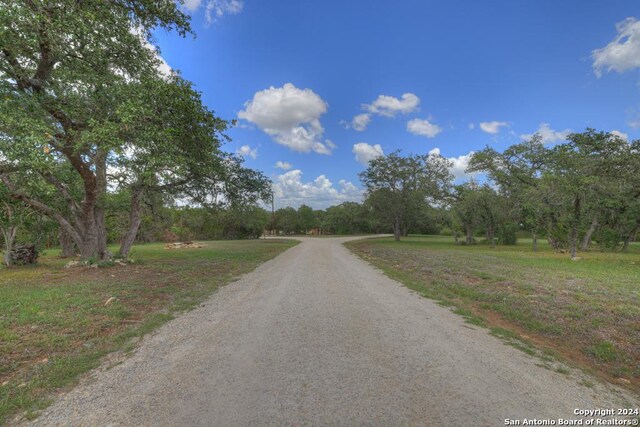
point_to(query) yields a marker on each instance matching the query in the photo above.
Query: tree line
(572, 194)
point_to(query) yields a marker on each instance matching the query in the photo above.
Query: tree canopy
(85, 111)
(397, 186)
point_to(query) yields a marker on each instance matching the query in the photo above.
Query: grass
(56, 324)
(585, 311)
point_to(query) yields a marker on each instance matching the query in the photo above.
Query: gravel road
(316, 336)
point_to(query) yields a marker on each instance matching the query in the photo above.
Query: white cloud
(365, 152)
(192, 5)
(291, 116)
(548, 135)
(164, 70)
(623, 53)
(620, 134)
(459, 164)
(290, 190)
(492, 127)
(285, 166)
(361, 121)
(216, 9)
(423, 128)
(246, 151)
(389, 106)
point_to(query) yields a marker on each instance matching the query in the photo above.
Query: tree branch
(62, 189)
(40, 207)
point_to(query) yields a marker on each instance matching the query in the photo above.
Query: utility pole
(273, 215)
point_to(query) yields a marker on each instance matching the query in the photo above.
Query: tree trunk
(100, 221)
(535, 242)
(397, 231)
(66, 243)
(134, 224)
(9, 235)
(573, 239)
(469, 239)
(86, 223)
(587, 237)
(491, 236)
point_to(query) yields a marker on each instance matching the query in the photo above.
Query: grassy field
(586, 311)
(57, 323)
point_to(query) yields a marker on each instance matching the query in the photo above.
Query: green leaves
(85, 111)
(398, 186)
(561, 189)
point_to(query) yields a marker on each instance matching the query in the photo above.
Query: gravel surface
(316, 336)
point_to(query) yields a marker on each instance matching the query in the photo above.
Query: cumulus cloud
(361, 121)
(459, 164)
(216, 9)
(285, 166)
(246, 151)
(291, 116)
(620, 134)
(623, 53)
(365, 152)
(384, 105)
(548, 135)
(423, 128)
(290, 190)
(390, 106)
(492, 127)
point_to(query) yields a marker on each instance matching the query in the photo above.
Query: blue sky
(416, 75)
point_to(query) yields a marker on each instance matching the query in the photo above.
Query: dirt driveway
(318, 337)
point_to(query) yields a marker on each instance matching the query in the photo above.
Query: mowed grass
(586, 311)
(55, 323)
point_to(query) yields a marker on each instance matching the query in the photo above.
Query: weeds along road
(318, 337)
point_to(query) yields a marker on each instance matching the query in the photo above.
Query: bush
(608, 238)
(446, 231)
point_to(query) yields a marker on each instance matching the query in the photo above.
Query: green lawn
(54, 324)
(586, 311)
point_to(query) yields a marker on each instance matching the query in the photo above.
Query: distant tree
(396, 186)
(247, 222)
(429, 220)
(306, 219)
(347, 218)
(286, 220)
(571, 188)
(465, 206)
(491, 211)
